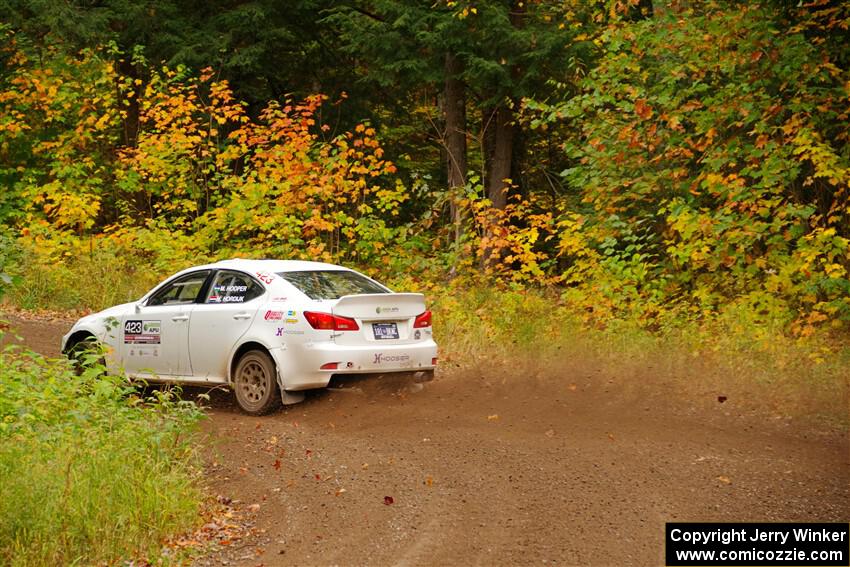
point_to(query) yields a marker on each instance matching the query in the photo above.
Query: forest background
(672, 172)
(658, 187)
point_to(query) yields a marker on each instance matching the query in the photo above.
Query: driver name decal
(139, 332)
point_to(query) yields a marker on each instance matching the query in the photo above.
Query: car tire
(255, 383)
(79, 351)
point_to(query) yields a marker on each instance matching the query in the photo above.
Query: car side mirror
(138, 307)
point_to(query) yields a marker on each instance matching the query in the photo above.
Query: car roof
(249, 265)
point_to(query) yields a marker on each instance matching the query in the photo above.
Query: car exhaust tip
(423, 376)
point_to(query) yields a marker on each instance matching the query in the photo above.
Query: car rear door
(219, 321)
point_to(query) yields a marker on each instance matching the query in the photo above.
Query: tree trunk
(131, 122)
(498, 151)
(501, 154)
(454, 109)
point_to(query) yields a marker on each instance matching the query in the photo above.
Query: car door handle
(180, 318)
(242, 316)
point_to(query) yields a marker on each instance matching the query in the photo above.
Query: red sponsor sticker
(273, 315)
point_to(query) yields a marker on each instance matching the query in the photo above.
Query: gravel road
(490, 467)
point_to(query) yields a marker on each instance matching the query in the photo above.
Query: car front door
(155, 339)
(224, 314)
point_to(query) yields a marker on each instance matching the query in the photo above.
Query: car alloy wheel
(255, 383)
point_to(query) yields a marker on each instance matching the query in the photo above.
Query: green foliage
(263, 48)
(65, 273)
(89, 472)
(724, 137)
(707, 151)
(508, 49)
(9, 258)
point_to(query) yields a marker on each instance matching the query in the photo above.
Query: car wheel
(255, 383)
(79, 353)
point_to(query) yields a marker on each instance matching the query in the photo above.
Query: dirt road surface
(489, 468)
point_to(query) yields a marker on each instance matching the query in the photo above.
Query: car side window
(182, 290)
(233, 287)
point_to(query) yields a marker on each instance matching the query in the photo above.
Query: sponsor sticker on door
(139, 332)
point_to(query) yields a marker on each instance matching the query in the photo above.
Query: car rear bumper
(302, 370)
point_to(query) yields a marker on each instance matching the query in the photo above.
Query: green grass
(82, 283)
(89, 472)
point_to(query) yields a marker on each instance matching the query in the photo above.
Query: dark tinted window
(233, 287)
(331, 284)
(184, 289)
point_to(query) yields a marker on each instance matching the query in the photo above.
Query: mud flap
(289, 398)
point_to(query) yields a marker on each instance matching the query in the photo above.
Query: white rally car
(268, 328)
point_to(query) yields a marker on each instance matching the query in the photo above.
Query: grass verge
(757, 369)
(89, 472)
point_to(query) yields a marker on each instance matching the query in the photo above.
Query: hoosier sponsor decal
(381, 358)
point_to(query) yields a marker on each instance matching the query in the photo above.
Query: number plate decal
(142, 332)
(385, 331)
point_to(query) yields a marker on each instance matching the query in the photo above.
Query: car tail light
(329, 366)
(423, 320)
(345, 324)
(328, 322)
(434, 361)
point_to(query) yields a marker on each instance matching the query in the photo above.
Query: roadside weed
(89, 471)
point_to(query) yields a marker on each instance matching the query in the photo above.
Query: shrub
(89, 471)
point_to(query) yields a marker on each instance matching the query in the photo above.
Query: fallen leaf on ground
(388, 500)
(724, 479)
(493, 417)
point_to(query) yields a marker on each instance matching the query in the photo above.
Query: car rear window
(331, 284)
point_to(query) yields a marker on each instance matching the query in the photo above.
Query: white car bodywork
(190, 332)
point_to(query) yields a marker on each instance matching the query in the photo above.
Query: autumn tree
(714, 160)
(483, 57)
